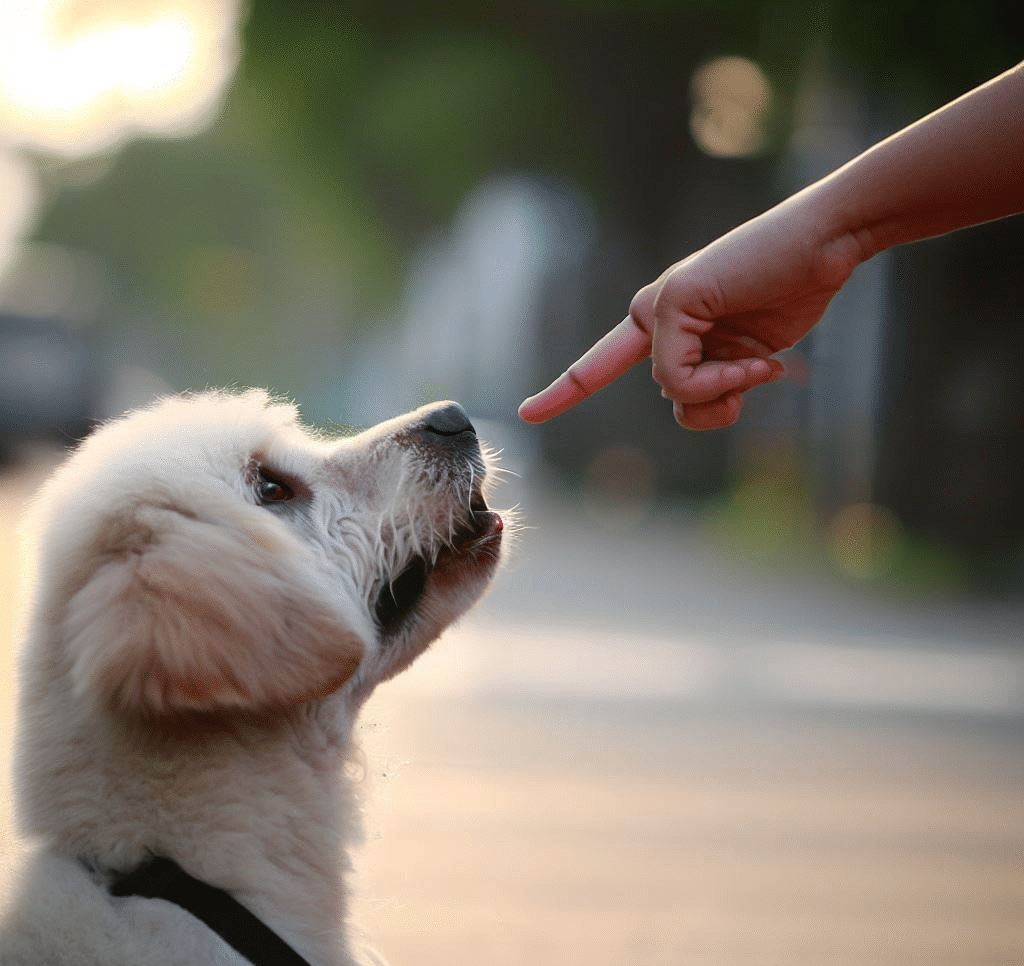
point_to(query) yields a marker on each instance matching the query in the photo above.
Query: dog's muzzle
(447, 427)
(444, 430)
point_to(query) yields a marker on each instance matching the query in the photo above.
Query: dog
(218, 590)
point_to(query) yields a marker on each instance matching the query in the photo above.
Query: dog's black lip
(477, 520)
(400, 595)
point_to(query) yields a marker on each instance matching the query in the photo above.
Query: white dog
(218, 592)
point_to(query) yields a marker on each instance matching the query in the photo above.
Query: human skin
(711, 322)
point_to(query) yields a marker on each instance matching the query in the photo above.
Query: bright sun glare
(78, 77)
(731, 103)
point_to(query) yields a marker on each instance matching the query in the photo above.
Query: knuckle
(670, 378)
(641, 307)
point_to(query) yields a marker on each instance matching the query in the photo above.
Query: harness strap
(163, 878)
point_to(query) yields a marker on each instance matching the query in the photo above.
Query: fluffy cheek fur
(204, 615)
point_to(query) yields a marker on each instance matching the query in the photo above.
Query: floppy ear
(206, 615)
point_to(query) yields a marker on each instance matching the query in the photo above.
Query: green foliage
(445, 111)
(405, 116)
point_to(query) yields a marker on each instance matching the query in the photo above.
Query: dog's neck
(282, 856)
(259, 809)
(219, 911)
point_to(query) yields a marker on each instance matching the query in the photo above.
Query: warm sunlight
(19, 201)
(731, 101)
(78, 76)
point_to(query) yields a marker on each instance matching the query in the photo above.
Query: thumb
(616, 353)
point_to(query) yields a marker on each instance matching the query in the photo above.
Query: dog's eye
(269, 489)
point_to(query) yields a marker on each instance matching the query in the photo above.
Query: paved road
(552, 835)
(640, 751)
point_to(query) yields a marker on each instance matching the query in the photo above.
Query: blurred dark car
(48, 380)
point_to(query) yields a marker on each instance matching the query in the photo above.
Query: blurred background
(750, 696)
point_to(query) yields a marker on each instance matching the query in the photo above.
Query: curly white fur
(194, 663)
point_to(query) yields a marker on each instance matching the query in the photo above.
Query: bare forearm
(960, 166)
(710, 320)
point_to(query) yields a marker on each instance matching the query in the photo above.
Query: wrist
(830, 230)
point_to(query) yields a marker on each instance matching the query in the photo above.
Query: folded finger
(710, 415)
(708, 381)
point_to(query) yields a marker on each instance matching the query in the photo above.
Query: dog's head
(210, 554)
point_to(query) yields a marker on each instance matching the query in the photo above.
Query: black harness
(162, 878)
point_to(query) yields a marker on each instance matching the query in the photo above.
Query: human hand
(711, 322)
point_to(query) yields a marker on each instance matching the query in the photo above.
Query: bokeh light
(731, 102)
(77, 77)
(864, 540)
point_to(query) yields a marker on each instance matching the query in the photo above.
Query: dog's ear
(190, 614)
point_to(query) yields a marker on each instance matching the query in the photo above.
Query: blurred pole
(832, 124)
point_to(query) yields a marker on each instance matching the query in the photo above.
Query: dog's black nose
(446, 419)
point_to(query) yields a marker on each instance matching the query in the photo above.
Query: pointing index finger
(621, 349)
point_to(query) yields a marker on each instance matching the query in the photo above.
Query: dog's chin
(458, 574)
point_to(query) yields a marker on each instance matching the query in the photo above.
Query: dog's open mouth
(479, 534)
